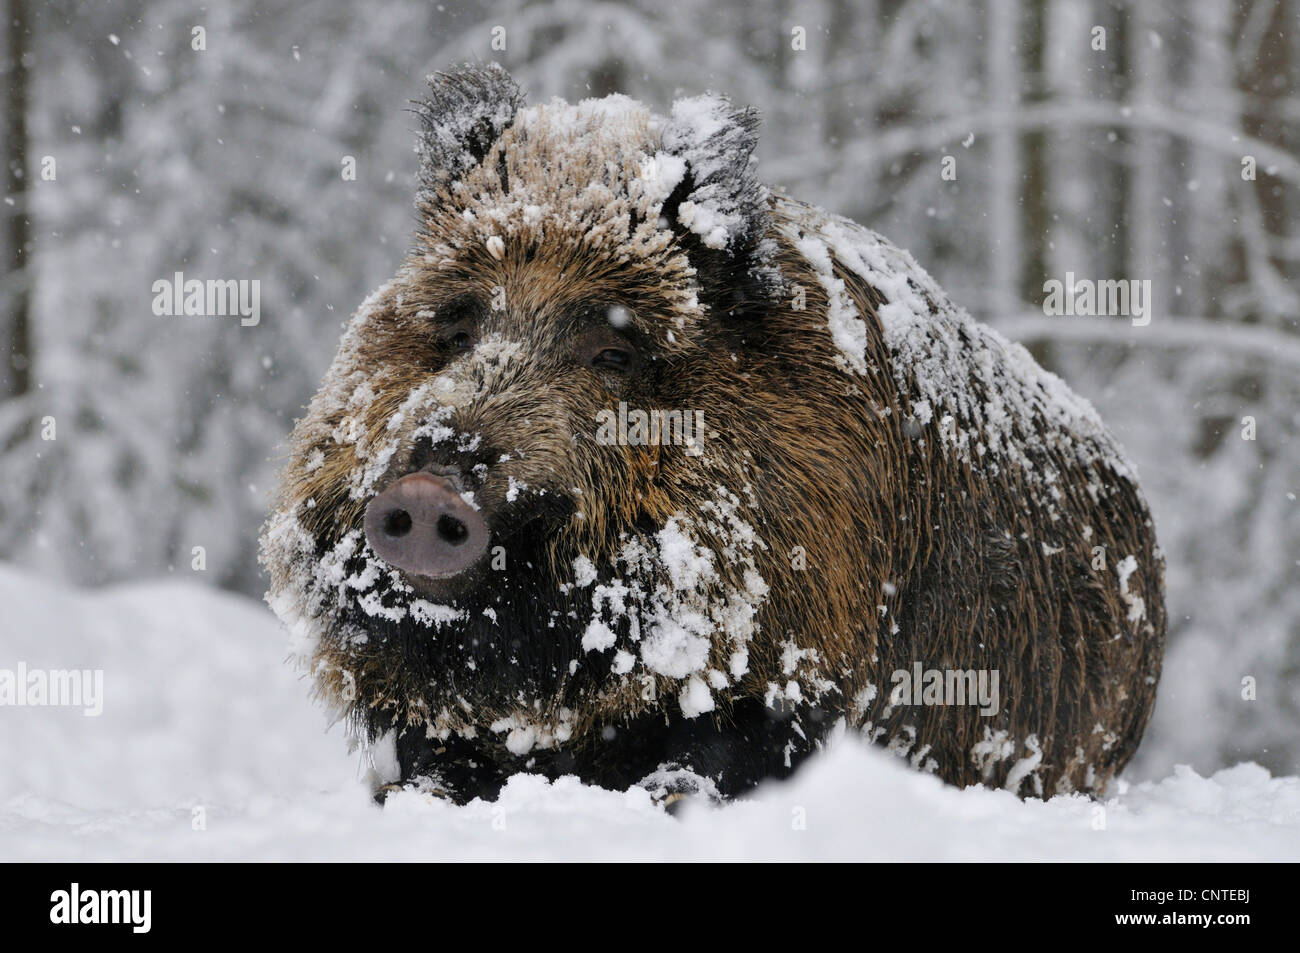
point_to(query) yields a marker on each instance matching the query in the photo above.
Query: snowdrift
(208, 748)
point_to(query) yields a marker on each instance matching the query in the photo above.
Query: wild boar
(498, 548)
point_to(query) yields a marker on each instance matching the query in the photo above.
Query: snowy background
(226, 162)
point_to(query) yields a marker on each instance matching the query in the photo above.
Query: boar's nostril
(452, 530)
(397, 523)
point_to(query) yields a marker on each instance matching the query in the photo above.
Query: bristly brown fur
(876, 546)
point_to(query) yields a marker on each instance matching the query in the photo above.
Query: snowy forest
(1005, 143)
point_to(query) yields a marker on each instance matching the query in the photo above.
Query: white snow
(693, 132)
(696, 699)
(674, 601)
(203, 721)
(1136, 604)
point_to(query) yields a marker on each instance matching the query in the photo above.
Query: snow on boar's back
(640, 472)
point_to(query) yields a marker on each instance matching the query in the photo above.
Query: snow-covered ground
(199, 712)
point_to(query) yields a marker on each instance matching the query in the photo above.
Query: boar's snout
(421, 525)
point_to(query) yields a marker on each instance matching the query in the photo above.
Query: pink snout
(421, 525)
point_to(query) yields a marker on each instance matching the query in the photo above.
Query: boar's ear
(468, 108)
(719, 208)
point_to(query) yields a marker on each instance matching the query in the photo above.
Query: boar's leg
(713, 757)
(719, 758)
(454, 769)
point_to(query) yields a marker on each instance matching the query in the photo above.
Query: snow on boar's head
(519, 502)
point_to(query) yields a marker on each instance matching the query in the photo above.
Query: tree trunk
(1004, 193)
(15, 379)
(1151, 170)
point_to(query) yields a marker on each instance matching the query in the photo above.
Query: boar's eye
(612, 359)
(457, 338)
(602, 346)
(458, 331)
